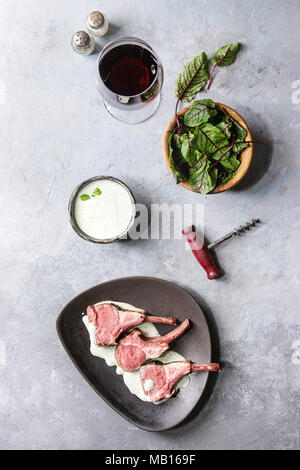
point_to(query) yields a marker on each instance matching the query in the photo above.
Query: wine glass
(129, 79)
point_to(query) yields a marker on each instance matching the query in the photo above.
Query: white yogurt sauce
(131, 379)
(107, 215)
(148, 385)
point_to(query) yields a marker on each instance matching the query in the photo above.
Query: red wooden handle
(201, 252)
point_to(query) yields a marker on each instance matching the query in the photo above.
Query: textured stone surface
(55, 132)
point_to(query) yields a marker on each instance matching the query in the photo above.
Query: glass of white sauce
(102, 209)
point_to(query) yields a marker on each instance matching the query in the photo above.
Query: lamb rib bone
(134, 349)
(111, 321)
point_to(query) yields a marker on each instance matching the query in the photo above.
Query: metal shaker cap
(95, 19)
(81, 40)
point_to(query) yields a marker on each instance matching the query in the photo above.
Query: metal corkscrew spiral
(243, 228)
(235, 232)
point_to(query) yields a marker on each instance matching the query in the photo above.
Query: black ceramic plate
(157, 297)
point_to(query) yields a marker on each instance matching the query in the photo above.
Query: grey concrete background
(55, 133)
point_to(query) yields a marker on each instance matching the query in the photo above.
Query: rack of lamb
(158, 380)
(111, 321)
(134, 349)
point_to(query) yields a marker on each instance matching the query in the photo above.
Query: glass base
(136, 115)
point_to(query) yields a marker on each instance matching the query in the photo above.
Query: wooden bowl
(245, 157)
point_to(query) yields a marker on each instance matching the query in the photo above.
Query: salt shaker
(97, 24)
(83, 43)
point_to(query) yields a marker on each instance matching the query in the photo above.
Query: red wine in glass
(128, 69)
(129, 79)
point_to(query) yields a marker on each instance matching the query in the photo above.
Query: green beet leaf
(189, 149)
(225, 175)
(239, 132)
(226, 55)
(200, 111)
(240, 135)
(230, 161)
(238, 148)
(211, 140)
(225, 127)
(203, 176)
(177, 162)
(193, 78)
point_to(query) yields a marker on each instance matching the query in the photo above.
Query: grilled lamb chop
(158, 380)
(135, 348)
(110, 321)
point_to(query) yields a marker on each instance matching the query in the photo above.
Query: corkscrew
(202, 251)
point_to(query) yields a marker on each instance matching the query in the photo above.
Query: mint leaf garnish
(97, 191)
(84, 197)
